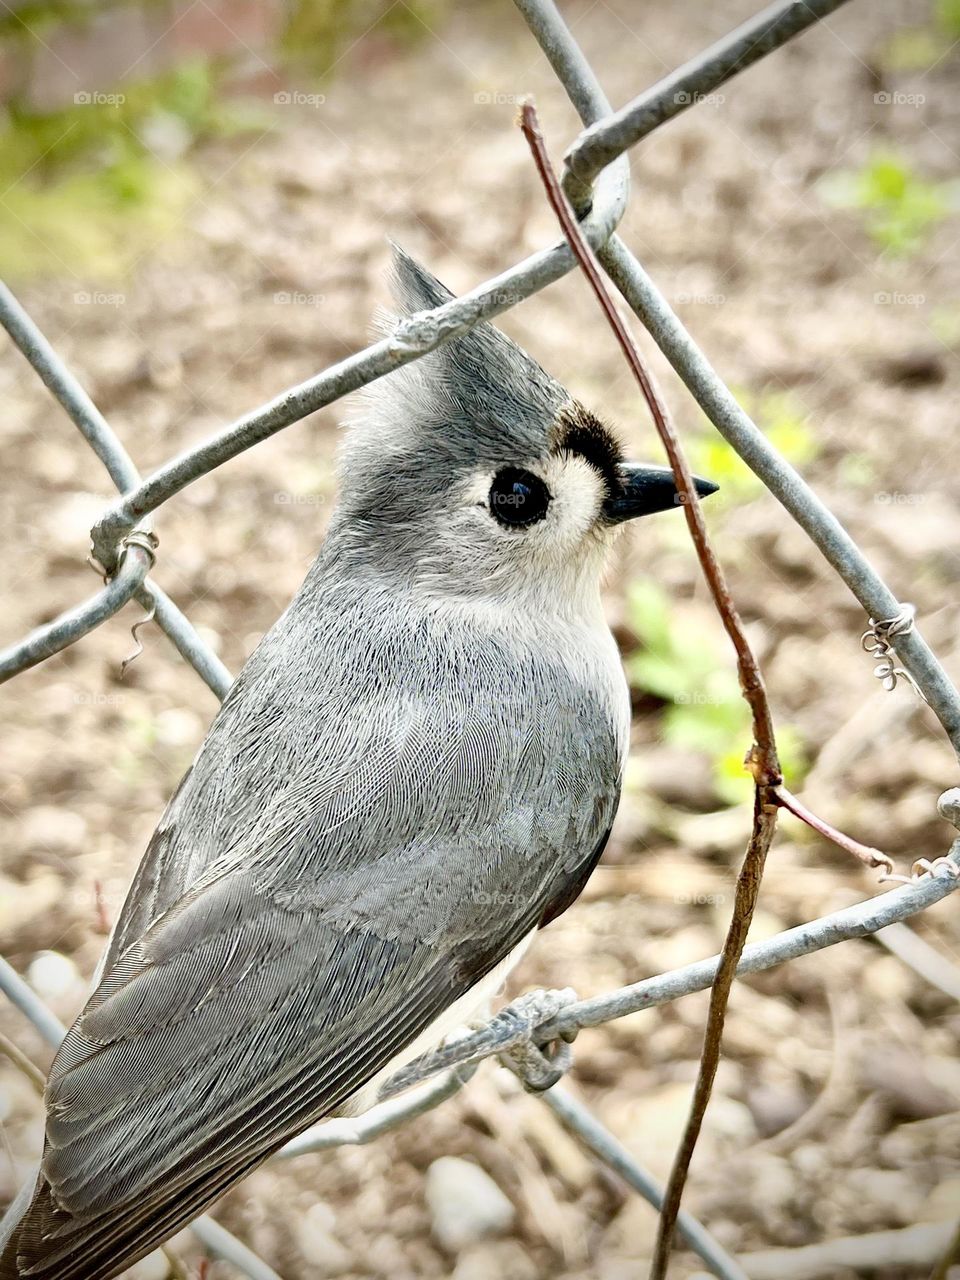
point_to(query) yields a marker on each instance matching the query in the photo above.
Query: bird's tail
(49, 1244)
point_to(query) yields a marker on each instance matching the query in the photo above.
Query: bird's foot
(539, 1067)
(539, 1063)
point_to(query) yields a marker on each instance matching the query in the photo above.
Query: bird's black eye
(518, 498)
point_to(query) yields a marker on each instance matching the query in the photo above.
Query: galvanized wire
(78, 622)
(584, 1125)
(858, 921)
(455, 1061)
(712, 68)
(597, 181)
(105, 443)
(684, 88)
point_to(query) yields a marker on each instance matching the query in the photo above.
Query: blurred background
(194, 204)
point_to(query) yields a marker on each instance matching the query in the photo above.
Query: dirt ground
(837, 1109)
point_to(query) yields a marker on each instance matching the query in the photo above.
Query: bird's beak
(644, 490)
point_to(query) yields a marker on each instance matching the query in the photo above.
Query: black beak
(644, 490)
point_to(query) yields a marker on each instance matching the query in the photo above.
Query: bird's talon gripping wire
(539, 1064)
(540, 1067)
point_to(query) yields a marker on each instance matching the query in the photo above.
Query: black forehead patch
(578, 431)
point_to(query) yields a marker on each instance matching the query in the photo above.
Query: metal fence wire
(596, 181)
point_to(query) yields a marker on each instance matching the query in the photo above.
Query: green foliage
(86, 188)
(321, 31)
(71, 179)
(919, 48)
(948, 18)
(857, 471)
(913, 49)
(684, 664)
(899, 208)
(39, 16)
(782, 421)
(945, 325)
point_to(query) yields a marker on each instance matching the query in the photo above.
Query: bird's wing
(354, 906)
(193, 1062)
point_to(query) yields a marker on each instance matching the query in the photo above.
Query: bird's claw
(539, 1064)
(540, 1067)
(521, 1017)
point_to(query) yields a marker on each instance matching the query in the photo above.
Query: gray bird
(416, 770)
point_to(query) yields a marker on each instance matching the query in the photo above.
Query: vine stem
(761, 760)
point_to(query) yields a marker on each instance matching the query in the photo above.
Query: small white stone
(59, 830)
(318, 1245)
(943, 1202)
(153, 1267)
(177, 727)
(52, 975)
(465, 1203)
(166, 135)
(504, 1258)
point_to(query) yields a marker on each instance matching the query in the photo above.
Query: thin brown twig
(866, 853)
(762, 760)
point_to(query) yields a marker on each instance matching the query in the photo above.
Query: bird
(415, 771)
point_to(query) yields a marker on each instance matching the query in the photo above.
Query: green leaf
(688, 664)
(899, 207)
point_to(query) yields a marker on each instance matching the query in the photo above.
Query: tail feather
(48, 1244)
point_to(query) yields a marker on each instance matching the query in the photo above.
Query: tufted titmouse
(415, 771)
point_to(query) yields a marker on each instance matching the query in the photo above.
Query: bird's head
(474, 473)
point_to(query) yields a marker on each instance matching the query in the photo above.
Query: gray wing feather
(318, 891)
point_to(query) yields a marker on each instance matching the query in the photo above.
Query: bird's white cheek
(577, 499)
(476, 491)
(579, 494)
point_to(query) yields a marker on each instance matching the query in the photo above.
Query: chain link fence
(125, 545)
